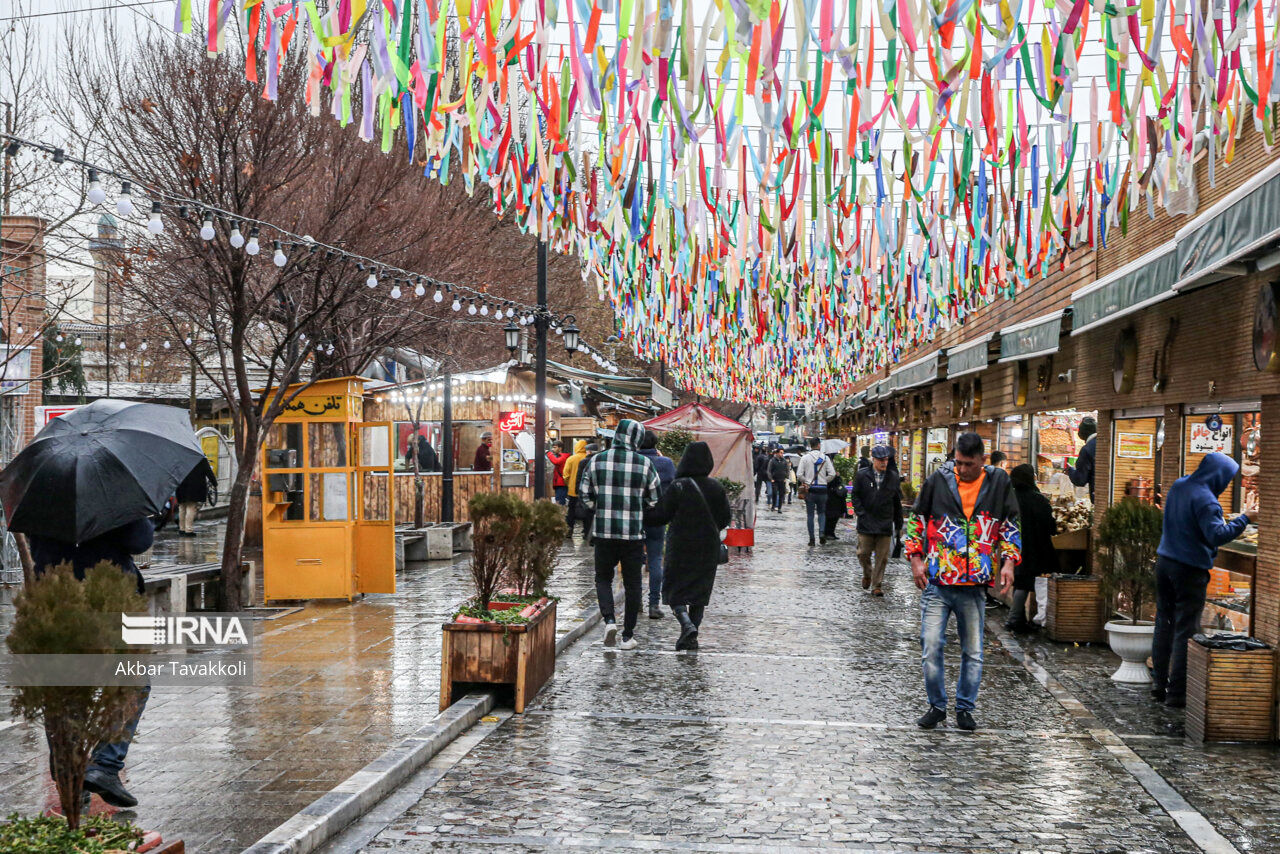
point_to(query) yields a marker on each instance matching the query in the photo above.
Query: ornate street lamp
(571, 332)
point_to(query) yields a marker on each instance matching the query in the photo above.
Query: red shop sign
(511, 422)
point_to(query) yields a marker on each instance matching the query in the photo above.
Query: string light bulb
(279, 258)
(236, 239)
(96, 194)
(372, 281)
(78, 341)
(166, 343)
(155, 224)
(420, 289)
(457, 306)
(124, 202)
(471, 307)
(439, 297)
(252, 246)
(206, 229)
(484, 308)
(395, 291)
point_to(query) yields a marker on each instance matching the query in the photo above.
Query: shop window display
(1136, 451)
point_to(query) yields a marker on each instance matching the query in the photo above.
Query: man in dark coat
(696, 511)
(1038, 557)
(117, 546)
(761, 465)
(1081, 473)
(877, 502)
(191, 493)
(837, 505)
(654, 535)
(779, 469)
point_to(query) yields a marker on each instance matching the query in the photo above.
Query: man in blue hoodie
(654, 535)
(1193, 530)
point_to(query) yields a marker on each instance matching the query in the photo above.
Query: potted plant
(1128, 537)
(505, 634)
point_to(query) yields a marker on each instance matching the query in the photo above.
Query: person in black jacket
(696, 512)
(1082, 473)
(779, 469)
(761, 465)
(1038, 557)
(117, 546)
(877, 502)
(192, 492)
(864, 458)
(837, 505)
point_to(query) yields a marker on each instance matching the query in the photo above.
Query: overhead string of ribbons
(778, 197)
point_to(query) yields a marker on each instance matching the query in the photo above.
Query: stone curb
(331, 813)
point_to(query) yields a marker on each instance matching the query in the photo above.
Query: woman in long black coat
(696, 510)
(1038, 555)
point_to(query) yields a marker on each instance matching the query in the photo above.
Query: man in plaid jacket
(620, 485)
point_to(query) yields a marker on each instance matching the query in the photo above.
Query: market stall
(730, 443)
(1056, 444)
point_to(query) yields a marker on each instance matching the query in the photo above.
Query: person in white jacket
(816, 472)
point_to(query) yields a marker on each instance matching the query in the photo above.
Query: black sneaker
(1158, 694)
(822, 540)
(964, 720)
(108, 787)
(655, 613)
(1170, 702)
(811, 541)
(932, 718)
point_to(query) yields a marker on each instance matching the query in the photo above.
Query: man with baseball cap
(877, 501)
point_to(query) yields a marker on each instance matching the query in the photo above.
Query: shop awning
(1133, 287)
(920, 372)
(857, 401)
(1033, 338)
(968, 359)
(1246, 220)
(644, 387)
(879, 391)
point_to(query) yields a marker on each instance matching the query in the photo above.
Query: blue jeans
(653, 537)
(815, 503)
(937, 604)
(110, 757)
(562, 494)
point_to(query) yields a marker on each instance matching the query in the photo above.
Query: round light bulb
(395, 292)
(124, 203)
(206, 230)
(59, 337)
(77, 342)
(457, 306)
(420, 289)
(236, 239)
(471, 308)
(439, 297)
(96, 194)
(252, 246)
(142, 346)
(155, 224)
(187, 340)
(484, 308)
(279, 258)
(166, 344)
(372, 281)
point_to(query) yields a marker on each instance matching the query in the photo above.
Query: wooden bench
(182, 587)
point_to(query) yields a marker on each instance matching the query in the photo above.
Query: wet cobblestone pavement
(336, 684)
(793, 729)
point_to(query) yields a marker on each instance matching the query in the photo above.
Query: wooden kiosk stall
(328, 529)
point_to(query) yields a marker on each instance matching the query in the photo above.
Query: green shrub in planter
(58, 614)
(499, 526)
(98, 834)
(671, 443)
(546, 533)
(846, 467)
(1128, 537)
(732, 489)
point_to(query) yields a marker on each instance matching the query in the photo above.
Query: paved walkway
(793, 727)
(337, 684)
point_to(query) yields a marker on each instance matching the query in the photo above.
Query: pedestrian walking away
(619, 485)
(571, 472)
(779, 471)
(118, 547)
(1036, 522)
(1193, 531)
(655, 534)
(559, 488)
(697, 513)
(837, 503)
(193, 492)
(760, 465)
(963, 528)
(877, 504)
(815, 474)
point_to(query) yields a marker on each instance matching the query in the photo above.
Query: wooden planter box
(523, 657)
(1076, 612)
(1231, 694)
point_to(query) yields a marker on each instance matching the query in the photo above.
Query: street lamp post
(541, 322)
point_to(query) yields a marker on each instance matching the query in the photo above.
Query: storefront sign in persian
(1134, 446)
(1206, 440)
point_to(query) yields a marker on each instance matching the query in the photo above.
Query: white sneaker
(629, 643)
(610, 634)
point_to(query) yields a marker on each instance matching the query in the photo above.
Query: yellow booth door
(375, 537)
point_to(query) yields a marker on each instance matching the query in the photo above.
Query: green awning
(920, 372)
(1133, 287)
(1037, 337)
(968, 358)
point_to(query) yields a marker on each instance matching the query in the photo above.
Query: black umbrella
(97, 468)
(796, 449)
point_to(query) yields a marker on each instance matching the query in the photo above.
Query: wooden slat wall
(1128, 469)
(464, 486)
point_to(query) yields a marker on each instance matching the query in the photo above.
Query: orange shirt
(969, 493)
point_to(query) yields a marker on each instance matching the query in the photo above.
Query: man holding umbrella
(83, 492)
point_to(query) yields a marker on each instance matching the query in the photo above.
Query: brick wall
(23, 306)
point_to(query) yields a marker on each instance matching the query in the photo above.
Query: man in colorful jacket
(620, 485)
(963, 525)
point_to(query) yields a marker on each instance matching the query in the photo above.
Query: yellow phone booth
(328, 500)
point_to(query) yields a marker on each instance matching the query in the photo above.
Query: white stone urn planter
(1132, 642)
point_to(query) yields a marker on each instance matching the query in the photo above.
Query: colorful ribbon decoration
(724, 170)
